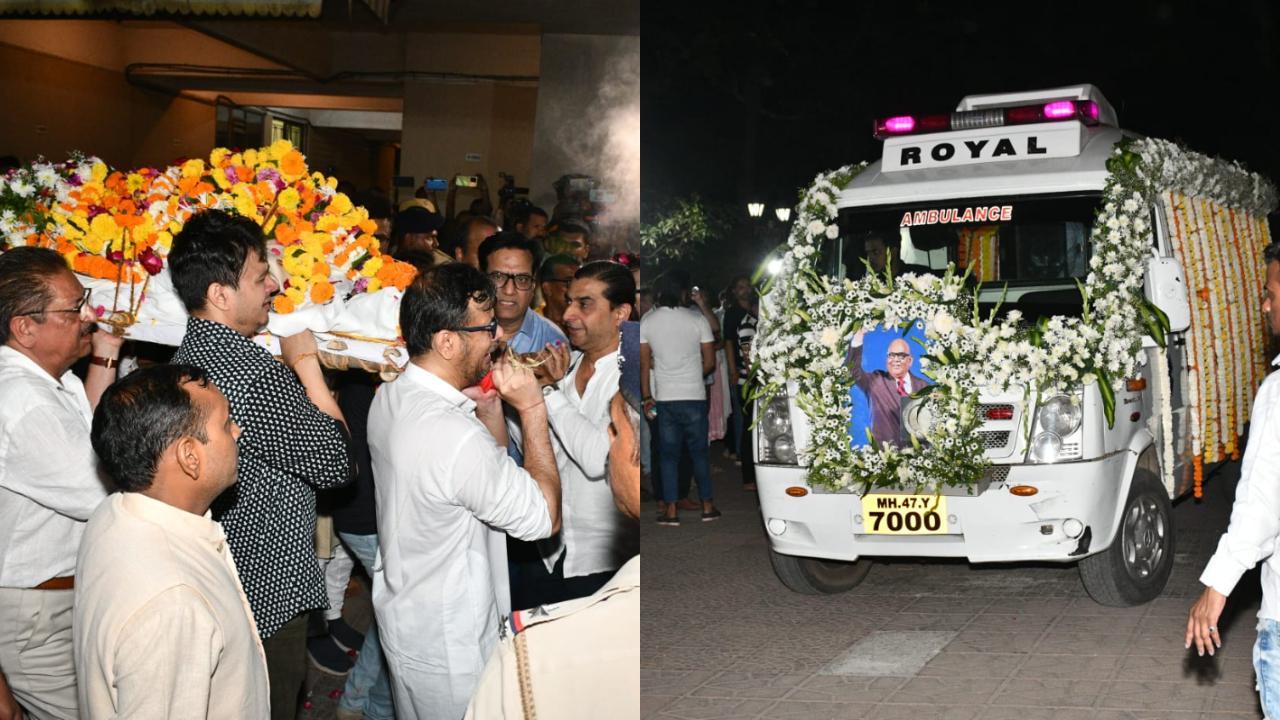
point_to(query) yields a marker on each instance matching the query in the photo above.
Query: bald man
(887, 390)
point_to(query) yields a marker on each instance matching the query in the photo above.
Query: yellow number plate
(904, 515)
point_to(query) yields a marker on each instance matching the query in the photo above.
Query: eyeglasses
(898, 356)
(523, 281)
(491, 328)
(79, 308)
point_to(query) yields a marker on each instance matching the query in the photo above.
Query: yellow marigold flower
(193, 168)
(328, 223)
(296, 293)
(298, 262)
(279, 149)
(339, 205)
(371, 267)
(247, 207)
(164, 239)
(251, 158)
(374, 285)
(282, 304)
(292, 166)
(98, 173)
(289, 199)
(218, 156)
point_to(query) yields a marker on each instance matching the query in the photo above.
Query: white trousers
(36, 651)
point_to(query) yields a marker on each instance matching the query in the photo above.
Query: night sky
(806, 78)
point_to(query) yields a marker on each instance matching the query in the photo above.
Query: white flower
(942, 323)
(816, 227)
(22, 188)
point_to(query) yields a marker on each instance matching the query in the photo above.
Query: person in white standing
(677, 343)
(48, 474)
(1255, 526)
(447, 492)
(163, 629)
(596, 539)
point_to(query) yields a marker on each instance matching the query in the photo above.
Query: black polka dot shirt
(288, 449)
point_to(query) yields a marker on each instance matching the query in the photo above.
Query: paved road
(722, 638)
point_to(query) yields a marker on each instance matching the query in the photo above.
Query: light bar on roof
(1085, 111)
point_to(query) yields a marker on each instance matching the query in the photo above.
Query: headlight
(774, 432)
(1060, 416)
(1045, 447)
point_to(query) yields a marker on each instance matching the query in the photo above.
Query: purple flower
(230, 173)
(269, 174)
(151, 262)
(361, 285)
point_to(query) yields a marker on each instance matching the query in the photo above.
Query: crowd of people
(695, 361)
(158, 531)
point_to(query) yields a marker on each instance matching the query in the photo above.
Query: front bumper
(995, 526)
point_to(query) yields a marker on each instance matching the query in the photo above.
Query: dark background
(749, 100)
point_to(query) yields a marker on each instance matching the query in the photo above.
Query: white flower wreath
(807, 319)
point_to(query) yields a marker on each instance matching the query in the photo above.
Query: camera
(508, 191)
(466, 181)
(435, 183)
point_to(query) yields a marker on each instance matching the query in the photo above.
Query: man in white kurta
(162, 627)
(596, 539)
(447, 491)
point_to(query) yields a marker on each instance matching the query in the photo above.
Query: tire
(811, 576)
(1135, 569)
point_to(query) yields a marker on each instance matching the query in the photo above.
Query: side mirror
(1166, 288)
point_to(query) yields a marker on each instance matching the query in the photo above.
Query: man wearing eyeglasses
(508, 258)
(887, 390)
(49, 483)
(447, 492)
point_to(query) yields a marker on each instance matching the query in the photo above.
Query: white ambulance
(1009, 186)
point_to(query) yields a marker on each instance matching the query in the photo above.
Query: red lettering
(920, 218)
(980, 215)
(993, 213)
(1006, 213)
(945, 215)
(933, 217)
(968, 215)
(906, 220)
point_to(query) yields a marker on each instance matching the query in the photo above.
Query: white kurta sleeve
(59, 468)
(497, 491)
(165, 658)
(1255, 516)
(586, 439)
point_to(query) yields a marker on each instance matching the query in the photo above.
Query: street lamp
(783, 213)
(755, 209)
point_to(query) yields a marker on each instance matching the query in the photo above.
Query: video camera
(508, 191)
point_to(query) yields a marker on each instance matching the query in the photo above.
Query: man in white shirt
(679, 347)
(1255, 526)
(447, 491)
(162, 626)
(596, 539)
(48, 474)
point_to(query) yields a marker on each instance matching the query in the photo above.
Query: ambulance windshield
(1037, 246)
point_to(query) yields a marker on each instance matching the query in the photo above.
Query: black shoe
(672, 521)
(709, 516)
(347, 637)
(327, 657)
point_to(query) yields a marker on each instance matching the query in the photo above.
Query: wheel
(1136, 567)
(811, 576)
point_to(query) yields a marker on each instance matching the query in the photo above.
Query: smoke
(595, 126)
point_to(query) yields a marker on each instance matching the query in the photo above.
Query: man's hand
(106, 344)
(9, 709)
(1202, 621)
(488, 403)
(556, 365)
(516, 385)
(297, 347)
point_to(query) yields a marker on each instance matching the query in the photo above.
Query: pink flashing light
(1090, 109)
(900, 124)
(1060, 109)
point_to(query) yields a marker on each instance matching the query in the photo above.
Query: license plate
(904, 515)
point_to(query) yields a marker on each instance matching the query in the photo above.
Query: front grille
(996, 474)
(994, 439)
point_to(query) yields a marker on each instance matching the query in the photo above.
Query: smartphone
(466, 181)
(435, 183)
